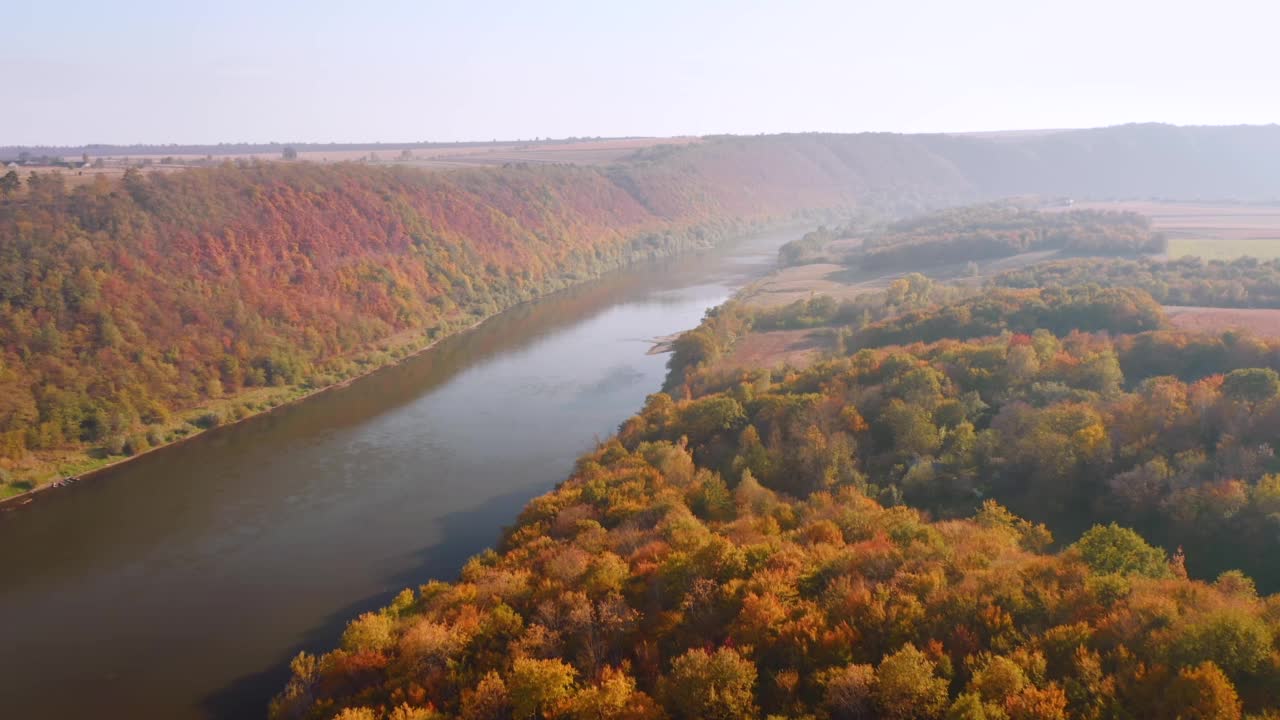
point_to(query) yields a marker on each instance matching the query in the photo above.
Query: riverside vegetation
(1024, 498)
(137, 311)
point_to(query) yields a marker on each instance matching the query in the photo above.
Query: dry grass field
(588, 152)
(1212, 248)
(796, 348)
(773, 349)
(1210, 230)
(799, 282)
(1258, 321)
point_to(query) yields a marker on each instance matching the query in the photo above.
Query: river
(179, 585)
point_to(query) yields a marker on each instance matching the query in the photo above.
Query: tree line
(1244, 282)
(986, 232)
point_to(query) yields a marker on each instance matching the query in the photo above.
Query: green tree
(1114, 549)
(703, 418)
(1233, 640)
(10, 182)
(970, 707)
(908, 687)
(537, 687)
(914, 433)
(710, 686)
(289, 153)
(607, 698)
(998, 678)
(1251, 385)
(370, 631)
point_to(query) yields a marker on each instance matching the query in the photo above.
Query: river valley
(179, 585)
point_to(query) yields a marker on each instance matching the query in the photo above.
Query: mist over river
(179, 585)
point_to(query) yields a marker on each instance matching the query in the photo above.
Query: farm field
(599, 151)
(1214, 248)
(1212, 231)
(774, 348)
(1258, 321)
(590, 152)
(842, 282)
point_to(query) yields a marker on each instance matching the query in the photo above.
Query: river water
(180, 585)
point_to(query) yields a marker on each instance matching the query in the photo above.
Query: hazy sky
(231, 70)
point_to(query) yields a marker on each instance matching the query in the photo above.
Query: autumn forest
(998, 480)
(1023, 494)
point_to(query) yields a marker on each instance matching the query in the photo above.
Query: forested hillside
(724, 558)
(121, 304)
(1015, 503)
(1139, 160)
(133, 312)
(848, 540)
(124, 305)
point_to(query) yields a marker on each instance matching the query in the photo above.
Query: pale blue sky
(236, 70)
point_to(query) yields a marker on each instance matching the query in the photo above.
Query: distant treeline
(986, 232)
(810, 248)
(14, 152)
(915, 309)
(1241, 283)
(1059, 310)
(1126, 161)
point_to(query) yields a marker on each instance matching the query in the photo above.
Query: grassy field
(787, 285)
(1214, 231)
(775, 348)
(1224, 248)
(1258, 321)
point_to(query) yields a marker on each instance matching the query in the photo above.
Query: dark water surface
(180, 585)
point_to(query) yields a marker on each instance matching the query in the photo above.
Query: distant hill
(1122, 162)
(1239, 162)
(1127, 161)
(13, 152)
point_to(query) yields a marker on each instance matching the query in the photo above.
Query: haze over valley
(727, 361)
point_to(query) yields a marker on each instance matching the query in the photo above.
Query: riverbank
(267, 399)
(321, 510)
(59, 469)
